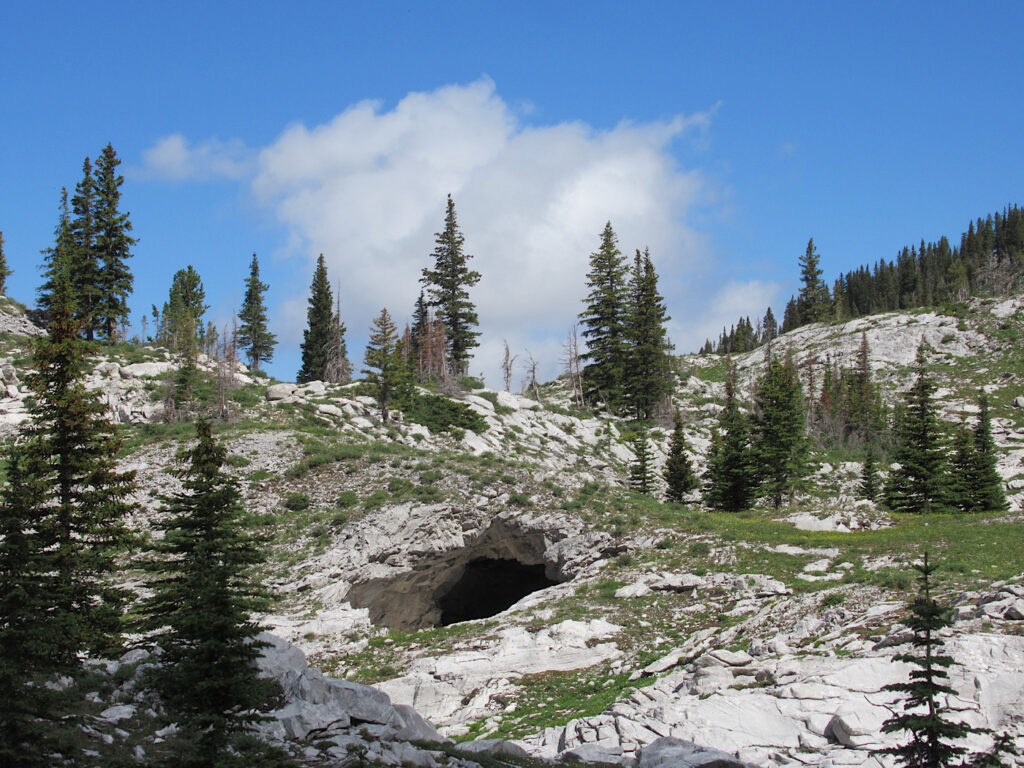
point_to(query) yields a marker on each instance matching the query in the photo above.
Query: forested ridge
(988, 262)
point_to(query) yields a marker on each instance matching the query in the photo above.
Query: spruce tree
(924, 715)
(448, 285)
(604, 318)
(70, 447)
(650, 368)
(730, 482)
(57, 257)
(961, 487)
(253, 335)
(5, 272)
(383, 360)
(869, 481)
(780, 442)
(986, 483)
(319, 319)
(679, 475)
(641, 471)
(200, 613)
(83, 261)
(420, 320)
(813, 304)
(31, 712)
(112, 246)
(920, 483)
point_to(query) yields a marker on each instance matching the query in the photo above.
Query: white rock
(280, 391)
(142, 370)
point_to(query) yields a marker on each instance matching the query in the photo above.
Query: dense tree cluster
(93, 242)
(988, 261)
(931, 474)
(627, 364)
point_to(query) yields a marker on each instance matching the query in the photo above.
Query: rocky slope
(766, 635)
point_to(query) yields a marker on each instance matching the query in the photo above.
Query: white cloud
(174, 159)
(731, 302)
(368, 189)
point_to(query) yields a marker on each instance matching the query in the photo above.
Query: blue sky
(721, 137)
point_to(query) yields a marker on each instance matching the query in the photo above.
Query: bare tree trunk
(506, 366)
(530, 382)
(573, 373)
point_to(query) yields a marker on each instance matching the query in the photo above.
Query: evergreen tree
(780, 442)
(420, 319)
(924, 715)
(769, 327)
(730, 482)
(920, 482)
(57, 257)
(962, 469)
(986, 483)
(383, 359)
(679, 475)
(641, 473)
(112, 246)
(253, 335)
(200, 613)
(319, 319)
(604, 320)
(813, 302)
(650, 367)
(183, 331)
(448, 285)
(5, 272)
(30, 711)
(83, 261)
(869, 482)
(70, 449)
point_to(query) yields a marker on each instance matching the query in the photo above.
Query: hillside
(506, 585)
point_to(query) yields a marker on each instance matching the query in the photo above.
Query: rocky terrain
(505, 589)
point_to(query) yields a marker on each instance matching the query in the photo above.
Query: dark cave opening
(487, 587)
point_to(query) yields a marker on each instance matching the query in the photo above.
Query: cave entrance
(487, 587)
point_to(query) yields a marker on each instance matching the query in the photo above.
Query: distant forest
(988, 262)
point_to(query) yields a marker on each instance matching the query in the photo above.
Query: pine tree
(57, 257)
(813, 302)
(112, 246)
(70, 447)
(650, 367)
(5, 272)
(253, 335)
(987, 485)
(962, 470)
(183, 331)
(384, 367)
(641, 473)
(679, 475)
(30, 711)
(420, 318)
(780, 442)
(448, 285)
(604, 323)
(319, 318)
(83, 261)
(920, 482)
(924, 716)
(869, 482)
(730, 482)
(200, 613)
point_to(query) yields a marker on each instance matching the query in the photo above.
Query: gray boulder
(668, 752)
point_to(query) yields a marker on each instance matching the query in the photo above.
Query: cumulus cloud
(368, 190)
(729, 303)
(173, 158)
